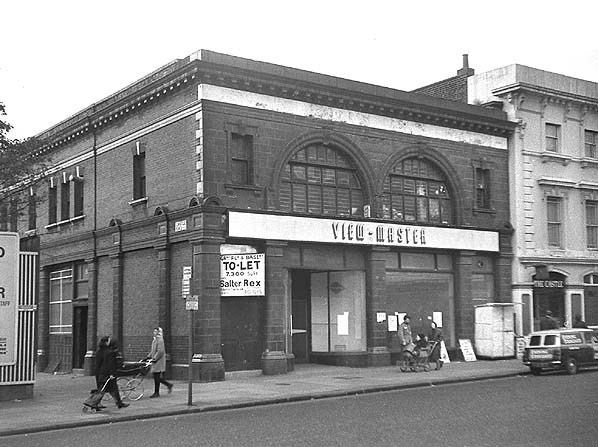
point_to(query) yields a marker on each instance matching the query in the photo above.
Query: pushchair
(94, 402)
(130, 378)
(415, 357)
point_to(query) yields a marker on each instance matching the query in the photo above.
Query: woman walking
(107, 362)
(158, 357)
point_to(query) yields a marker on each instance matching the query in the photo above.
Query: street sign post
(191, 304)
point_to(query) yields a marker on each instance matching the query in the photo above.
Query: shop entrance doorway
(549, 294)
(301, 310)
(242, 332)
(328, 314)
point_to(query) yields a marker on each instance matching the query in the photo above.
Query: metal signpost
(191, 304)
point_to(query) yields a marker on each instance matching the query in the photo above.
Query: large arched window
(321, 180)
(416, 190)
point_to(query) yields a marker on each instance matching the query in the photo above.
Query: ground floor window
(425, 296)
(338, 311)
(61, 298)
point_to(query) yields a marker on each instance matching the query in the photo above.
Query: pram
(134, 368)
(415, 357)
(130, 378)
(93, 402)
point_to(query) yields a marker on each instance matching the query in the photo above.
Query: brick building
(306, 211)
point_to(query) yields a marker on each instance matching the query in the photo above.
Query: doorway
(301, 312)
(328, 313)
(242, 332)
(79, 336)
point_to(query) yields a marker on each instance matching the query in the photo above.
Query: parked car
(561, 349)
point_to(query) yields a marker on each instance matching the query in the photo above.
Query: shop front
(337, 289)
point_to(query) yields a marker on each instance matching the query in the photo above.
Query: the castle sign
(9, 290)
(549, 284)
(338, 231)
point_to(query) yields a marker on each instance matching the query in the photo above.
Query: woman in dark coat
(107, 362)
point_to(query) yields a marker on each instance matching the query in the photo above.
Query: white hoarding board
(338, 231)
(9, 291)
(243, 274)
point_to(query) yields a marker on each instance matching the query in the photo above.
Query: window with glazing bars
(592, 224)
(52, 204)
(60, 302)
(78, 197)
(416, 190)
(591, 138)
(482, 188)
(241, 159)
(65, 200)
(321, 180)
(552, 137)
(553, 208)
(139, 176)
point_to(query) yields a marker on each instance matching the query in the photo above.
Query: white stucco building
(553, 177)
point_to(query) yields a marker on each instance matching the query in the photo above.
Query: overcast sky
(58, 57)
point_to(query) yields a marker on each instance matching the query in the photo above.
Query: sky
(58, 57)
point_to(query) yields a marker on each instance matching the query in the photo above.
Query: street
(550, 410)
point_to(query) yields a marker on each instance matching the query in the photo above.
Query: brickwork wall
(140, 290)
(454, 88)
(104, 296)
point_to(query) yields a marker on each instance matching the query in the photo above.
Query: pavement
(57, 399)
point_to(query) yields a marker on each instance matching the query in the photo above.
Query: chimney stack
(465, 71)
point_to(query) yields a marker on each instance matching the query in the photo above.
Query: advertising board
(9, 292)
(242, 274)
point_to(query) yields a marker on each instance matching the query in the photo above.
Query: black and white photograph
(315, 223)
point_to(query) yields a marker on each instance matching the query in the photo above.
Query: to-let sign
(243, 274)
(9, 289)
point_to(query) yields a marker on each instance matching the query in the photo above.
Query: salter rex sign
(9, 290)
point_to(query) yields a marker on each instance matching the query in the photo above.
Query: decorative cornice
(548, 95)
(227, 71)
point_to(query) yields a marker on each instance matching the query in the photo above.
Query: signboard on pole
(9, 296)
(192, 302)
(243, 274)
(186, 284)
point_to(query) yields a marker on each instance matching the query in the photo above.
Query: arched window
(416, 190)
(591, 279)
(321, 180)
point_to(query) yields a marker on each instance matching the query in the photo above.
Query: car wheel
(571, 365)
(536, 371)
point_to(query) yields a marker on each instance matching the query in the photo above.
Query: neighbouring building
(307, 214)
(553, 177)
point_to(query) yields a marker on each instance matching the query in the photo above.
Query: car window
(536, 340)
(550, 340)
(588, 336)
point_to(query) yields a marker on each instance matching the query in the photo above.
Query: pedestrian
(435, 337)
(548, 322)
(405, 333)
(108, 360)
(579, 323)
(158, 357)
(434, 334)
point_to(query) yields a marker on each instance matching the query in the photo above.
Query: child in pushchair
(415, 355)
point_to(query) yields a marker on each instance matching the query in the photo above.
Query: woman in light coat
(158, 357)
